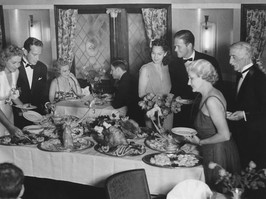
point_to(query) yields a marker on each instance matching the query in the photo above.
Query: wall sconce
(35, 28)
(208, 37)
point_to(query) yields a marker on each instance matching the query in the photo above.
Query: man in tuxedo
(32, 80)
(126, 91)
(249, 115)
(184, 46)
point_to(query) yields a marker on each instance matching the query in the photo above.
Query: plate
(54, 145)
(36, 129)
(14, 141)
(121, 150)
(184, 101)
(26, 106)
(172, 160)
(33, 116)
(160, 144)
(184, 131)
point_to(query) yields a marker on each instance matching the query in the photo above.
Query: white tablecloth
(92, 168)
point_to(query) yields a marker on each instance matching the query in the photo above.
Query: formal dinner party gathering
(132, 100)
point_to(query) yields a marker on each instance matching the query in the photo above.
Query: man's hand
(236, 116)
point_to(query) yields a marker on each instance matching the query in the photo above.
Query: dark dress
(223, 153)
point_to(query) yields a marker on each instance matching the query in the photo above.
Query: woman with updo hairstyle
(213, 135)
(154, 76)
(10, 60)
(65, 86)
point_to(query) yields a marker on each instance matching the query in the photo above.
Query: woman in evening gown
(65, 86)
(10, 59)
(214, 137)
(154, 76)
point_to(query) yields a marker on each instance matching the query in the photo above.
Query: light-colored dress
(159, 84)
(5, 93)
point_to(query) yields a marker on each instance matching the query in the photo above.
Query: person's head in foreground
(11, 181)
(201, 73)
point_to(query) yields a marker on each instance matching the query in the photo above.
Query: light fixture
(208, 36)
(35, 28)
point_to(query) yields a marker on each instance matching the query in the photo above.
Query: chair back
(130, 184)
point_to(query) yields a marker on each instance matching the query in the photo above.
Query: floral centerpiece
(237, 183)
(158, 107)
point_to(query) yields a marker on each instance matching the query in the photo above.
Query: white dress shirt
(29, 72)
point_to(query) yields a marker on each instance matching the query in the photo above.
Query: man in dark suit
(249, 115)
(184, 46)
(32, 80)
(126, 91)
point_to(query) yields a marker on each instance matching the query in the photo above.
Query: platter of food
(172, 160)
(55, 145)
(33, 116)
(161, 144)
(26, 106)
(36, 129)
(184, 131)
(121, 150)
(29, 139)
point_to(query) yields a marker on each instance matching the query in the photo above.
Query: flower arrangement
(94, 76)
(158, 107)
(247, 179)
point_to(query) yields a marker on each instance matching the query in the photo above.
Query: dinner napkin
(190, 189)
(86, 91)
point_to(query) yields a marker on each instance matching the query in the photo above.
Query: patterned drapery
(155, 21)
(67, 20)
(256, 30)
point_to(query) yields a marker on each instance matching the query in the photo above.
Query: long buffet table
(92, 168)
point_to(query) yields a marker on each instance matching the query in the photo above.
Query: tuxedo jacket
(251, 98)
(38, 93)
(126, 94)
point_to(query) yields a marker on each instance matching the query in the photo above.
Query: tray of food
(26, 106)
(121, 150)
(29, 139)
(55, 145)
(162, 144)
(172, 160)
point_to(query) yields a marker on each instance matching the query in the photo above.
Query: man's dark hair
(32, 41)
(11, 180)
(186, 35)
(121, 63)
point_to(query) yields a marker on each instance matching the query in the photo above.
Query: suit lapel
(244, 84)
(23, 75)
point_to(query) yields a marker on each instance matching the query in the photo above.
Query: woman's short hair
(58, 64)
(204, 69)
(7, 53)
(164, 44)
(11, 180)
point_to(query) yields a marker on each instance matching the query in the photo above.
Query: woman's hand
(193, 139)
(16, 132)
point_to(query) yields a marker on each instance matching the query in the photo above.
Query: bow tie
(28, 65)
(185, 60)
(240, 75)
